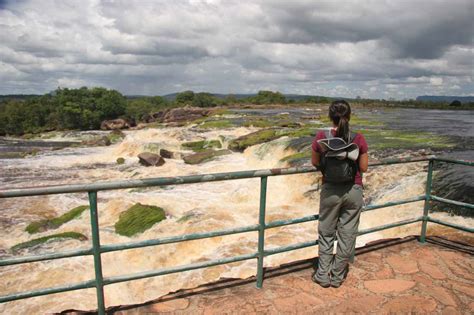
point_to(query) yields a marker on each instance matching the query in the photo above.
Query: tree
(185, 97)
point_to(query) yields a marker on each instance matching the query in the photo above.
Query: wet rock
(119, 123)
(150, 159)
(204, 156)
(97, 141)
(170, 154)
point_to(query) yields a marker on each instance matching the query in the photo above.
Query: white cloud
(305, 47)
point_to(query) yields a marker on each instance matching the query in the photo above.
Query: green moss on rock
(54, 223)
(198, 146)
(138, 218)
(120, 161)
(258, 137)
(44, 239)
(398, 139)
(204, 156)
(216, 124)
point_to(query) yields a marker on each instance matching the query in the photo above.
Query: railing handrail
(97, 249)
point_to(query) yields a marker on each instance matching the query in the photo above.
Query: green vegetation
(54, 223)
(116, 136)
(198, 146)
(138, 218)
(398, 139)
(215, 124)
(120, 161)
(44, 239)
(261, 136)
(301, 132)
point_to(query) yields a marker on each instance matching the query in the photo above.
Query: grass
(44, 239)
(354, 121)
(301, 132)
(138, 218)
(54, 223)
(198, 146)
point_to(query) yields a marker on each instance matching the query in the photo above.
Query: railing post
(96, 250)
(261, 230)
(426, 207)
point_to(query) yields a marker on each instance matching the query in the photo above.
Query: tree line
(85, 108)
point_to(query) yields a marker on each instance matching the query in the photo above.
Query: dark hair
(340, 114)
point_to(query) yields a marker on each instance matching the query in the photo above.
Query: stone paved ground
(391, 276)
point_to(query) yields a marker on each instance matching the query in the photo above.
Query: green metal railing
(97, 249)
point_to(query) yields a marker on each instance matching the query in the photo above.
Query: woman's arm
(315, 158)
(363, 162)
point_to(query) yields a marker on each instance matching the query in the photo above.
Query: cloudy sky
(372, 48)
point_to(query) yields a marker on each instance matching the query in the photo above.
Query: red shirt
(359, 140)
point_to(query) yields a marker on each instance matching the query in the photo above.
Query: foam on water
(207, 206)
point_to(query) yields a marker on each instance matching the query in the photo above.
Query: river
(209, 206)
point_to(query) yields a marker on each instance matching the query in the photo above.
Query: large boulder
(204, 156)
(119, 123)
(150, 159)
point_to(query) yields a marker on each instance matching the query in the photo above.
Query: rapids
(206, 207)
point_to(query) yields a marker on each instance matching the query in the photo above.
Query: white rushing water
(209, 206)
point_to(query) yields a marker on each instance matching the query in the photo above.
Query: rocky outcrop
(150, 159)
(204, 156)
(116, 124)
(176, 115)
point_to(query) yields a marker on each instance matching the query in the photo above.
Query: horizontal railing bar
(389, 226)
(178, 180)
(447, 160)
(453, 225)
(400, 161)
(288, 248)
(165, 271)
(36, 258)
(453, 202)
(150, 182)
(393, 203)
(279, 223)
(176, 239)
(30, 294)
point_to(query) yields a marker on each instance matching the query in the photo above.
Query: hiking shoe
(338, 284)
(323, 284)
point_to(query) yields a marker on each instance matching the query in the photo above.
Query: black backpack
(337, 170)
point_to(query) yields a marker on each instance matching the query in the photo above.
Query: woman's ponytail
(343, 129)
(340, 114)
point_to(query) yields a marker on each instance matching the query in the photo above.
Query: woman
(340, 203)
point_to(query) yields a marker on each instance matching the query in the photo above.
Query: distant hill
(17, 96)
(445, 99)
(295, 97)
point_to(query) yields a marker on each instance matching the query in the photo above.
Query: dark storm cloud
(411, 29)
(348, 48)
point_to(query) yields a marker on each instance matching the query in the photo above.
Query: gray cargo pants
(339, 211)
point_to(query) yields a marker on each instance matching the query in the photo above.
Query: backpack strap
(328, 134)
